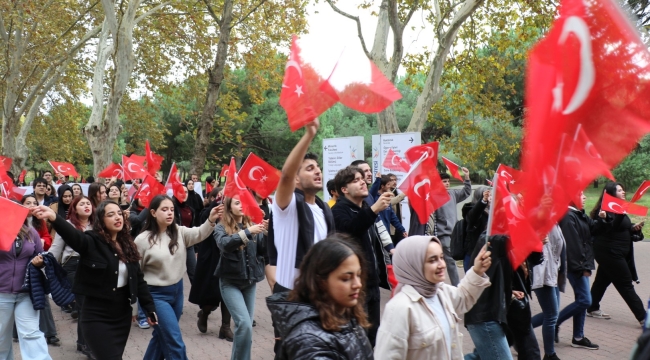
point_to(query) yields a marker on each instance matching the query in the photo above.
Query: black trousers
(70, 267)
(613, 269)
(373, 308)
(526, 345)
(106, 324)
(277, 348)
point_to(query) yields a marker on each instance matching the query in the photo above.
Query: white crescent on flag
(392, 160)
(130, 169)
(419, 185)
(238, 183)
(587, 76)
(251, 173)
(612, 205)
(60, 170)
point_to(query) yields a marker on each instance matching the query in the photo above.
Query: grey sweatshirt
(447, 215)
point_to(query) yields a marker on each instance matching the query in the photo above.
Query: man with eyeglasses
(40, 188)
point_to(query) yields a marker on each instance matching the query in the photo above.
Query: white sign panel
(337, 154)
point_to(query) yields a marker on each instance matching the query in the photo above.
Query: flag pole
(491, 212)
(413, 167)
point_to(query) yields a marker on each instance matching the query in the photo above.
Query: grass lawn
(594, 194)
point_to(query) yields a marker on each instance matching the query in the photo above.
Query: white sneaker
(598, 314)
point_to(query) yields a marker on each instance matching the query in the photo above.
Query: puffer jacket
(303, 337)
(242, 255)
(54, 281)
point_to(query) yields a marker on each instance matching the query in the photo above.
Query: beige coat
(410, 330)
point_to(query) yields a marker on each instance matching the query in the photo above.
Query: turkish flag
(174, 183)
(6, 162)
(21, 177)
(590, 72)
(640, 191)
(11, 221)
(259, 175)
(512, 177)
(132, 167)
(149, 189)
(301, 95)
(359, 84)
(454, 169)
(154, 161)
(235, 188)
(425, 189)
(395, 163)
(620, 206)
(9, 189)
(414, 154)
(112, 170)
(63, 168)
(224, 171)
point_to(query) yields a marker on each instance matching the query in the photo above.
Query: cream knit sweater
(159, 266)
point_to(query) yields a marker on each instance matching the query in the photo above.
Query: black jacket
(613, 236)
(493, 303)
(241, 255)
(359, 222)
(54, 281)
(98, 268)
(305, 228)
(303, 337)
(576, 227)
(477, 221)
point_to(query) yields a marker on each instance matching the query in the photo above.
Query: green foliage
(634, 169)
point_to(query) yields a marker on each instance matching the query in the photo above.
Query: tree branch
(356, 19)
(109, 15)
(212, 13)
(152, 10)
(249, 14)
(3, 31)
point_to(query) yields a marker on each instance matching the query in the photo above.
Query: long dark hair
(151, 225)
(610, 189)
(72, 212)
(94, 190)
(127, 252)
(37, 224)
(310, 286)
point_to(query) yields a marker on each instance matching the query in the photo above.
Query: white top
(434, 304)
(159, 266)
(285, 231)
(122, 276)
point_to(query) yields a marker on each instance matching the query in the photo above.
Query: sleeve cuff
(389, 247)
(244, 235)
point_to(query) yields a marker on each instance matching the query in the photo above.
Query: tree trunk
(215, 76)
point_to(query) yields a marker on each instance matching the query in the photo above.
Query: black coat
(303, 337)
(98, 268)
(205, 287)
(477, 221)
(614, 237)
(576, 227)
(493, 303)
(359, 222)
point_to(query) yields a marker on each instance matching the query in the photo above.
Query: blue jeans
(549, 301)
(489, 341)
(239, 297)
(141, 316)
(578, 308)
(467, 262)
(19, 308)
(167, 341)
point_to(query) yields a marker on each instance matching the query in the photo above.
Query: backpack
(458, 236)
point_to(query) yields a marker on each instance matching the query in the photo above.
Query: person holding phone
(163, 246)
(109, 277)
(614, 235)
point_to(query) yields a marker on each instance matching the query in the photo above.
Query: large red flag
(112, 170)
(149, 188)
(236, 188)
(12, 219)
(512, 177)
(154, 161)
(6, 162)
(359, 84)
(259, 175)
(395, 163)
(133, 169)
(9, 190)
(641, 191)
(424, 188)
(21, 177)
(453, 168)
(620, 206)
(63, 168)
(589, 72)
(301, 96)
(414, 154)
(174, 182)
(224, 171)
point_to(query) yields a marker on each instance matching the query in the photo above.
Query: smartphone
(154, 317)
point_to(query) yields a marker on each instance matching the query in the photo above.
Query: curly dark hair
(310, 286)
(127, 251)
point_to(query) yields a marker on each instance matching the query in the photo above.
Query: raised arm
(288, 179)
(76, 239)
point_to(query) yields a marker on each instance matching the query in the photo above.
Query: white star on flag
(513, 222)
(299, 90)
(264, 178)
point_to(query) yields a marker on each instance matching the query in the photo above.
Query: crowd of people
(324, 261)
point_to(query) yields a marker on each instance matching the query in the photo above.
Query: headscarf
(408, 264)
(193, 199)
(62, 208)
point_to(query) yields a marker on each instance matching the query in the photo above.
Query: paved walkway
(615, 337)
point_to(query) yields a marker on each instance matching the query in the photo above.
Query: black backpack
(458, 236)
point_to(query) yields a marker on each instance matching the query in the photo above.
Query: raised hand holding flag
(395, 163)
(259, 175)
(619, 206)
(64, 168)
(454, 169)
(236, 189)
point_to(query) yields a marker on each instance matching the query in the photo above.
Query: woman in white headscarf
(421, 320)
